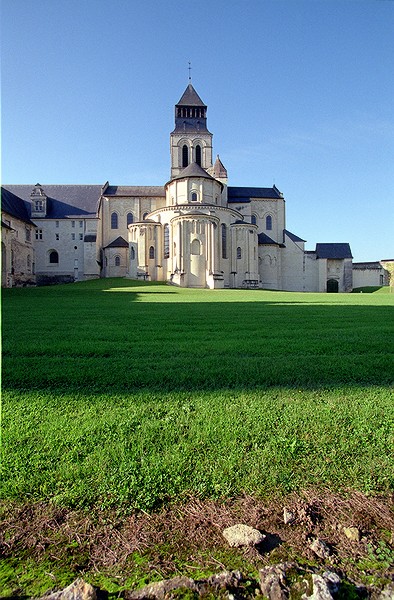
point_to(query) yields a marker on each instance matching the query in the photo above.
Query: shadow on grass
(77, 339)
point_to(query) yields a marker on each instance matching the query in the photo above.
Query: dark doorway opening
(332, 286)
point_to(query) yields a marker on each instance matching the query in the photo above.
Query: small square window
(81, 236)
(57, 223)
(38, 234)
(73, 236)
(57, 237)
(81, 223)
(72, 223)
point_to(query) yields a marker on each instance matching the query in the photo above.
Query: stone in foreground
(352, 533)
(320, 548)
(78, 590)
(242, 535)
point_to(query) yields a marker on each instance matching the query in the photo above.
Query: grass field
(126, 395)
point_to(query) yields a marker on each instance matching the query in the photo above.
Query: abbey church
(194, 231)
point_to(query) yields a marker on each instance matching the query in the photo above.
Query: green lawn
(132, 395)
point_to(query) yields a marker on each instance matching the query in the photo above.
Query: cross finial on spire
(190, 70)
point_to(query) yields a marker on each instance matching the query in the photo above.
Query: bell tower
(190, 141)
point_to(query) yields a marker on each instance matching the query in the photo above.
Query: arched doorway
(332, 286)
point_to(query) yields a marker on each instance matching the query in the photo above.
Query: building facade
(194, 231)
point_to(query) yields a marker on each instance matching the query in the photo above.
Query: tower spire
(190, 71)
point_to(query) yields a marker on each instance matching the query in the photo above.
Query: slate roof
(120, 242)
(265, 239)
(334, 250)
(135, 191)
(64, 200)
(190, 98)
(292, 236)
(367, 265)
(245, 194)
(193, 170)
(15, 206)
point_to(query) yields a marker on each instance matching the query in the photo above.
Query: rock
(160, 589)
(227, 579)
(387, 592)
(320, 548)
(243, 535)
(78, 590)
(288, 516)
(352, 533)
(320, 589)
(273, 583)
(332, 580)
(163, 589)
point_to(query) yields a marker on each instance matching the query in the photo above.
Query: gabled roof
(265, 239)
(190, 98)
(15, 206)
(292, 236)
(6, 226)
(120, 242)
(334, 250)
(64, 200)
(245, 194)
(193, 170)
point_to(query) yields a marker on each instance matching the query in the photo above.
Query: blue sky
(300, 93)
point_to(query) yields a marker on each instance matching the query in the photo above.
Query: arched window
(132, 253)
(194, 197)
(198, 155)
(53, 257)
(196, 247)
(239, 252)
(151, 252)
(117, 261)
(185, 156)
(268, 222)
(130, 219)
(144, 216)
(224, 241)
(114, 220)
(166, 241)
(254, 220)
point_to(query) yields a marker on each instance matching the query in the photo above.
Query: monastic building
(194, 231)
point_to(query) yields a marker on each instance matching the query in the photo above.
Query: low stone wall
(54, 279)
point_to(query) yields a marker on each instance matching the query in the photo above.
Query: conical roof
(190, 97)
(219, 170)
(193, 170)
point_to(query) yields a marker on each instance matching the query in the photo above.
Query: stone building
(17, 250)
(194, 231)
(372, 274)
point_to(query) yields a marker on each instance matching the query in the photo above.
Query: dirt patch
(186, 539)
